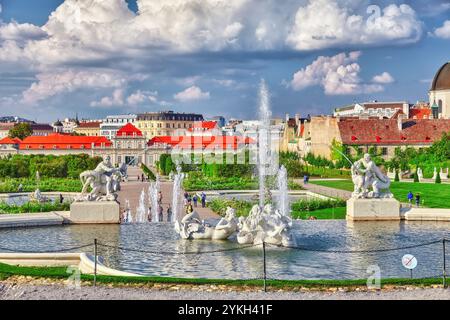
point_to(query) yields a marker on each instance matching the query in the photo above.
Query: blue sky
(100, 57)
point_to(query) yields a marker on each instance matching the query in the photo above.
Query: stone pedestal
(95, 212)
(373, 209)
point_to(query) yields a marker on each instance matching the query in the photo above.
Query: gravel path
(26, 291)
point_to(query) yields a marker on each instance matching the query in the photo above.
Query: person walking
(20, 188)
(142, 178)
(169, 214)
(417, 199)
(195, 199)
(160, 213)
(410, 198)
(203, 197)
(61, 198)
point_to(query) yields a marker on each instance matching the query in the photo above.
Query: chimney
(297, 118)
(400, 122)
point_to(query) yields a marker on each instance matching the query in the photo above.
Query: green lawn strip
(33, 207)
(321, 214)
(432, 195)
(60, 273)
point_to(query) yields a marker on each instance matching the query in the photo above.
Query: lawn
(7, 271)
(321, 214)
(320, 209)
(432, 195)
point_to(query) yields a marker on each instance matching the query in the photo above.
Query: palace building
(165, 123)
(440, 93)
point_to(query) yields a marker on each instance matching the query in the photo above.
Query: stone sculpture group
(366, 174)
(104, 182)
(261, 225)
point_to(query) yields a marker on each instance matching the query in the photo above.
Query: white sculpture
(192, 227)
(434, 174)
(265, 225)
(104, 181)
(366, 174)
(37, 196)
(420, 174)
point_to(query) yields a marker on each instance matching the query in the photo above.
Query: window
(384, 151)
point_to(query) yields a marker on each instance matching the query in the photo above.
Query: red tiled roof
(89, 125)
(203, 125)
(420, 113)
(129, 130)
(8, 140)
(385, 131)
(63, 141)
(204, 142)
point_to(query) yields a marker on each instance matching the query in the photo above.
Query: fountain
(128, 215)
(141, 210)
(264, 155)
(283, 205)
(176, 194)
(264, 223)
(153, 192)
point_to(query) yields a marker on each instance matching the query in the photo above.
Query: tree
(438, 178)
(21, 131)
(397, 177)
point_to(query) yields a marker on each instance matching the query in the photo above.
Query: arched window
(440, 106)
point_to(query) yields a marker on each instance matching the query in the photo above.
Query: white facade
(372, 109)
(442, 100)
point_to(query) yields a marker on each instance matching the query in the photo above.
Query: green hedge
(46, 184)
(49, 166)
(300, 209)
(32, 207)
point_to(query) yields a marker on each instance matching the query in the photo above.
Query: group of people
(411, 197)
(191, 202)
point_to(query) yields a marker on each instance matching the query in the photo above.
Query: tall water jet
(153, 192)
(128, 215)
(264, 150)
(283, 204)
(141, 210)
(176, 194)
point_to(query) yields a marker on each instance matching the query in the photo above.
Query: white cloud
(20, 32)
(324, 24)
(225, 82)
(191, 94)
(117, 99)
(338, 75)
(56, 82)
(139, 97)
(383, 78)
(444, 31)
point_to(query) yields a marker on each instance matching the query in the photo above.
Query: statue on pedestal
(104, 181)
(366, 174)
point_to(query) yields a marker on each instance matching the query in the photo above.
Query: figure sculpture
(104, 181)
(192, 227)
(266, 225)
(366, 174)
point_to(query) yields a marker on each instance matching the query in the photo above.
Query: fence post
(444, 272)
(95, 262)
(264, 266)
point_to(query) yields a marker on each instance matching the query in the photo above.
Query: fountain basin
(282, 263)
